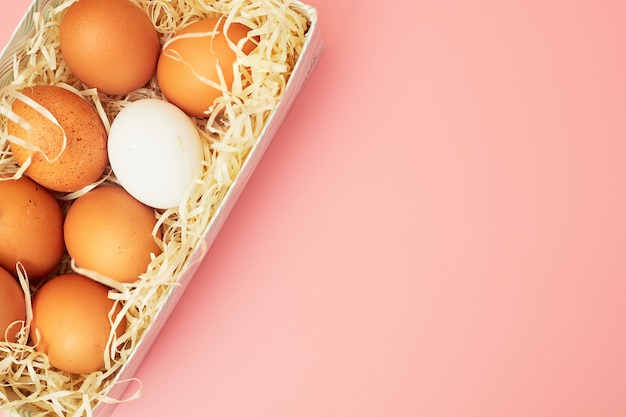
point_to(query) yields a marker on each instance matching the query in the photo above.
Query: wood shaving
(230, 132)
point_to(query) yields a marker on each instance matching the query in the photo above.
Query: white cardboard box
(313, 49)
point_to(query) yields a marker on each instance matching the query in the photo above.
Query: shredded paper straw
(229, 132)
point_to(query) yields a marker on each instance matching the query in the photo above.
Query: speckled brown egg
(84, 158)
(12, 307)
(111, 45)
(71, 323)
(110, 232)
(31, 228)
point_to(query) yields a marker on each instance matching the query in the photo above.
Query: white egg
(155, 152)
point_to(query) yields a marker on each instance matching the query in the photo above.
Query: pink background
(437, 230)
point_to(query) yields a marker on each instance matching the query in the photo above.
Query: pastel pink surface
(437, 230)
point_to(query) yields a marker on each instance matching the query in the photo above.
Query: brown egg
(31, 228)
(109, 232)
(71, 323)
(12, 307)
(185, 61)
(85, 156)
(111, 45)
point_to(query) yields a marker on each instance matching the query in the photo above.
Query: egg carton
(313, 49)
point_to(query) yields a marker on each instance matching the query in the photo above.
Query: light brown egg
(12, 307)
(31, 228)
(109, 232)
(71, 323)
(111, 45)
(185, 61)
(85, 156)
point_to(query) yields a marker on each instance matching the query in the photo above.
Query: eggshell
(84, 158)
(186, 61)
(31, 228)
(71, 323)
(109, 232)
(12, 307)
(156, 152)
(111, 45)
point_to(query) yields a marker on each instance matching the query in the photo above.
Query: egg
(31, 228)
(84, 158)
(187, 70)
(12, 307)
(155, 152)
(110, 45)
(71, 323)
(109, 232)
